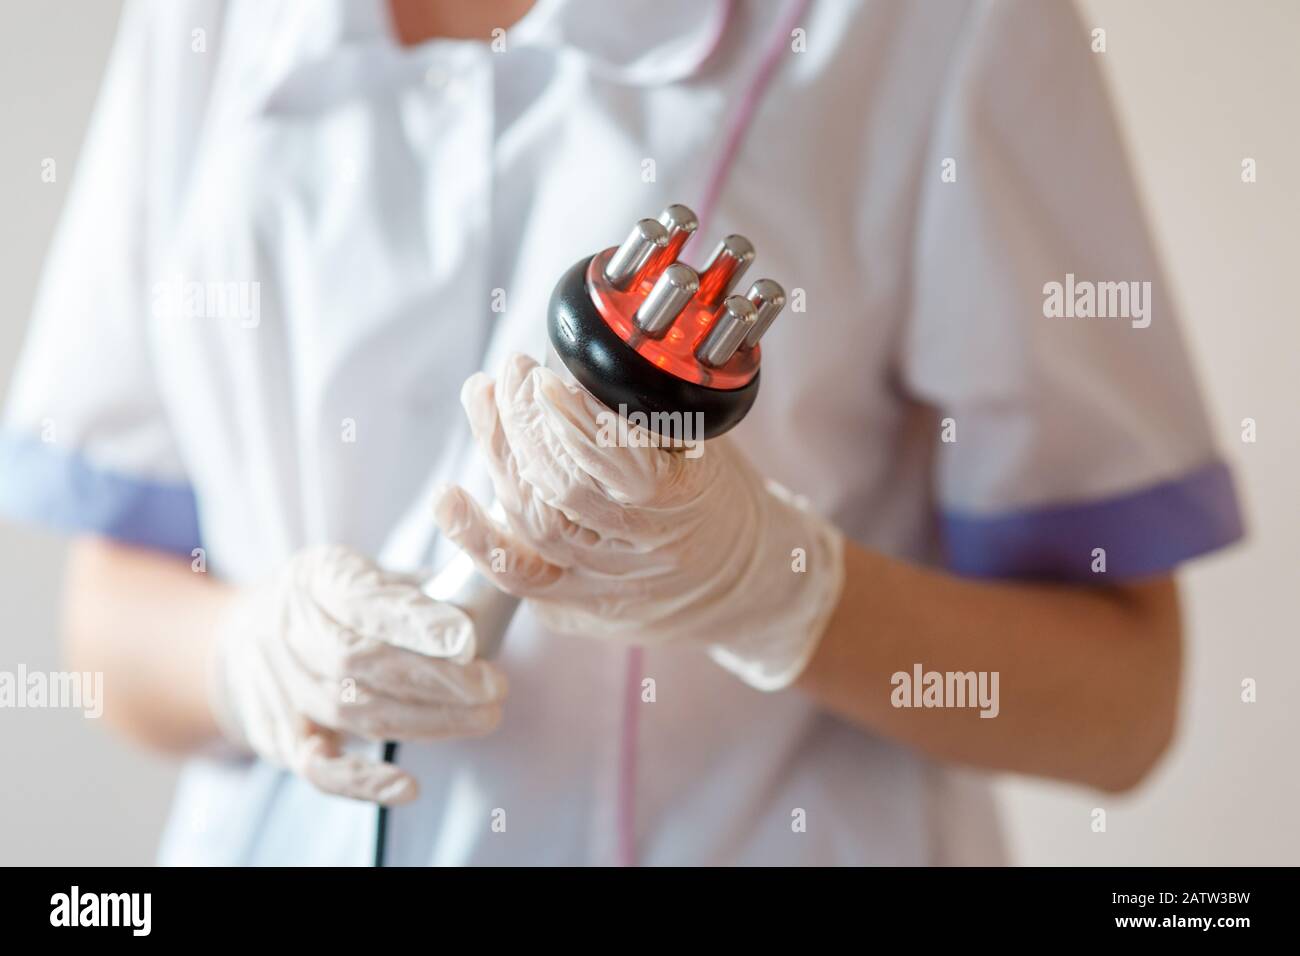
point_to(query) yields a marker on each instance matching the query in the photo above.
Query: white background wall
(1201, 84)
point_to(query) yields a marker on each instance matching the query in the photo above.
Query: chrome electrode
(735, 321)
(681, 223)
(723, 270)
(647, 237)
(768, 299)
(674, 288)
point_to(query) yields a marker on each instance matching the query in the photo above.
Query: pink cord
(744, 115)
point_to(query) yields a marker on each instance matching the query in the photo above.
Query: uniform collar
(637, 42)
(330, 50)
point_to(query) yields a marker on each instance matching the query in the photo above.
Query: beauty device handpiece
(645, 333)
(652, 339)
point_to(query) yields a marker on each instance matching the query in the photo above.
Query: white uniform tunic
(290, 240)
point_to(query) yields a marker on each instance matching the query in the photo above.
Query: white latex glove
(642, 544)
(335, 646)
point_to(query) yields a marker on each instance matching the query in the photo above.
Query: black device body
(620, 377)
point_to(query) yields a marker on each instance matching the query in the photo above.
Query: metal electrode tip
(681, 223)
(646, 238)
(725, 267)
(768, 299)
(735, 320)
(675, 287)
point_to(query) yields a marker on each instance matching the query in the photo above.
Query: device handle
(490, 608)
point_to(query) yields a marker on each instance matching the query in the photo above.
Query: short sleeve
(85, 444)
(1042, 329)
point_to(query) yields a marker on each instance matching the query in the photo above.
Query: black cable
(381, 819)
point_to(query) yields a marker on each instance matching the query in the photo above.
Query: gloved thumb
(509, 563)
(321, 761)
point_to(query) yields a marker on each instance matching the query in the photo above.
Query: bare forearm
(1087, 676)
(146, 621)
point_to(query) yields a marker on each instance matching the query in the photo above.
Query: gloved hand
(334, 645)
(643, 544)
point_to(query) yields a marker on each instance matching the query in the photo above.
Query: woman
(297, 230)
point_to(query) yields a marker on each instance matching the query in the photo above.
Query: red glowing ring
(675, 352)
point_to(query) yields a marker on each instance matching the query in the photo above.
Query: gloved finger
(593, 527)
(392, 720)
(547, 529)
(333, 653)
(337, 651)
(544, 462)
(478, 398)
(653, 487)
(387, 673)
(523, 572)
(418, 680)
(536, 459)
(637, 473)
(320, 760)
(401, 615)
(539, 460)
(363, 713)
(378, 605)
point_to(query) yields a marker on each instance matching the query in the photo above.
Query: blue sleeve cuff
(1144, 533)
(46, 485)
